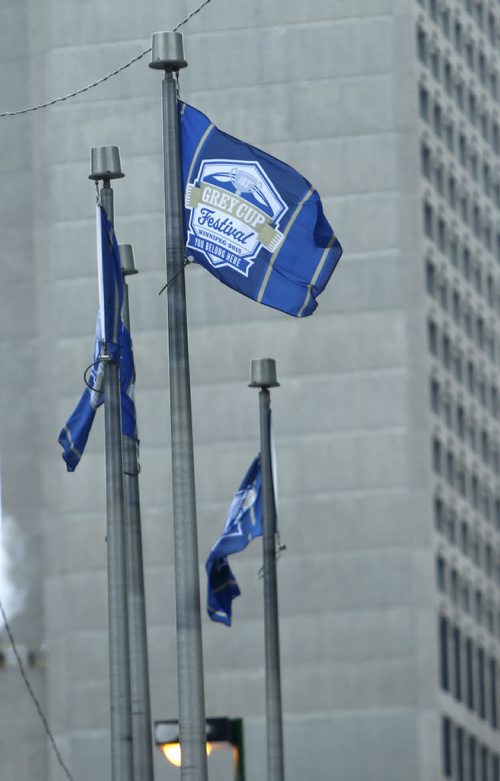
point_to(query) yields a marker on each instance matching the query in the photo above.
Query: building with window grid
(458, 102)
(387, 419)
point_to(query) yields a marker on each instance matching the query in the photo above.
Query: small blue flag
(254, 222)
(75, 433)
(243, 524)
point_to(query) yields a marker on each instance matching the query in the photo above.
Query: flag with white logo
(253, 221)
(243, 524)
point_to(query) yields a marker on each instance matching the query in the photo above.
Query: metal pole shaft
(119, 670)
(187, 587)
(274, 717)
(142, 736)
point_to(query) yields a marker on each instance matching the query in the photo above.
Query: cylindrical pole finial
(263, 373)
(127, 259)
(105, 163)
(167, 51)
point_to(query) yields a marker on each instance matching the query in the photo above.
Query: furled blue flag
(243, 524)
(254, 222)
(74, 434)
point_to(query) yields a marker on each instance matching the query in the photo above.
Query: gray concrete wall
(329, 88)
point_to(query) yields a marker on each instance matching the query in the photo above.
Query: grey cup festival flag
(254, 222)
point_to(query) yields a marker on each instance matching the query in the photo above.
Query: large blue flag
(254, 222)
(243, 524)
(75, 433)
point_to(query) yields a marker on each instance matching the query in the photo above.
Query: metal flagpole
(263, 376)
(142, 736)
(105, 165)
(168, 55)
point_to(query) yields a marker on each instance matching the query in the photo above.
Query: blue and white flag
(254, 222)
(243, 524)
(75, 433)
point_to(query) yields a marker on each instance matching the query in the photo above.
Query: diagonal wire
(32, 693)
(103, 78)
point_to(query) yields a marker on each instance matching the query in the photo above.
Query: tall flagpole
(263, 376)
(105, 165)
(168, 55)
(142, 736)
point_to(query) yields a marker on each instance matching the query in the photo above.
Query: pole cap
(263, 373)
(105, 163)
(127, 259)
(167, 51)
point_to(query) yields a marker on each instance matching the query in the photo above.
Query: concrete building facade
(386, 420)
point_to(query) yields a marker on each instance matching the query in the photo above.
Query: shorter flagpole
(137, 626)
(263, 376)
(105, 165)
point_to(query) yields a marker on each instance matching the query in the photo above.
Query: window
(428, 220)
(459, 736)
(423, 95)
(422, 45)
(435, 395)
(432, 334)
(471, 377)
(445, 21)
(464, 537)
(438, 514)
(481, 683)
(486, 178)
(450, 135)
(441, 574)
(472, 758)
(436, 63)
(491, 27)
(441, 234)
(493, 692)
(436, 455)
(469, 668)
(456, 306)
(437, 119)
(458, 364)
(447, 747)
(452, 191)
(462, 148)
(450, 466)
(457, 36)
(481, 66)
(460, 421)
(484, 763)
(439, 177)
(448, 78)
(457, 659)
(430, 277)
(443, 653)
(469, 54)
(483, 124)
(425, 159)
(496, 137)
(446, 350)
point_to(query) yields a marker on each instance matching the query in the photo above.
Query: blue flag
(75, 433)
(254, 222)
(243, 524)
